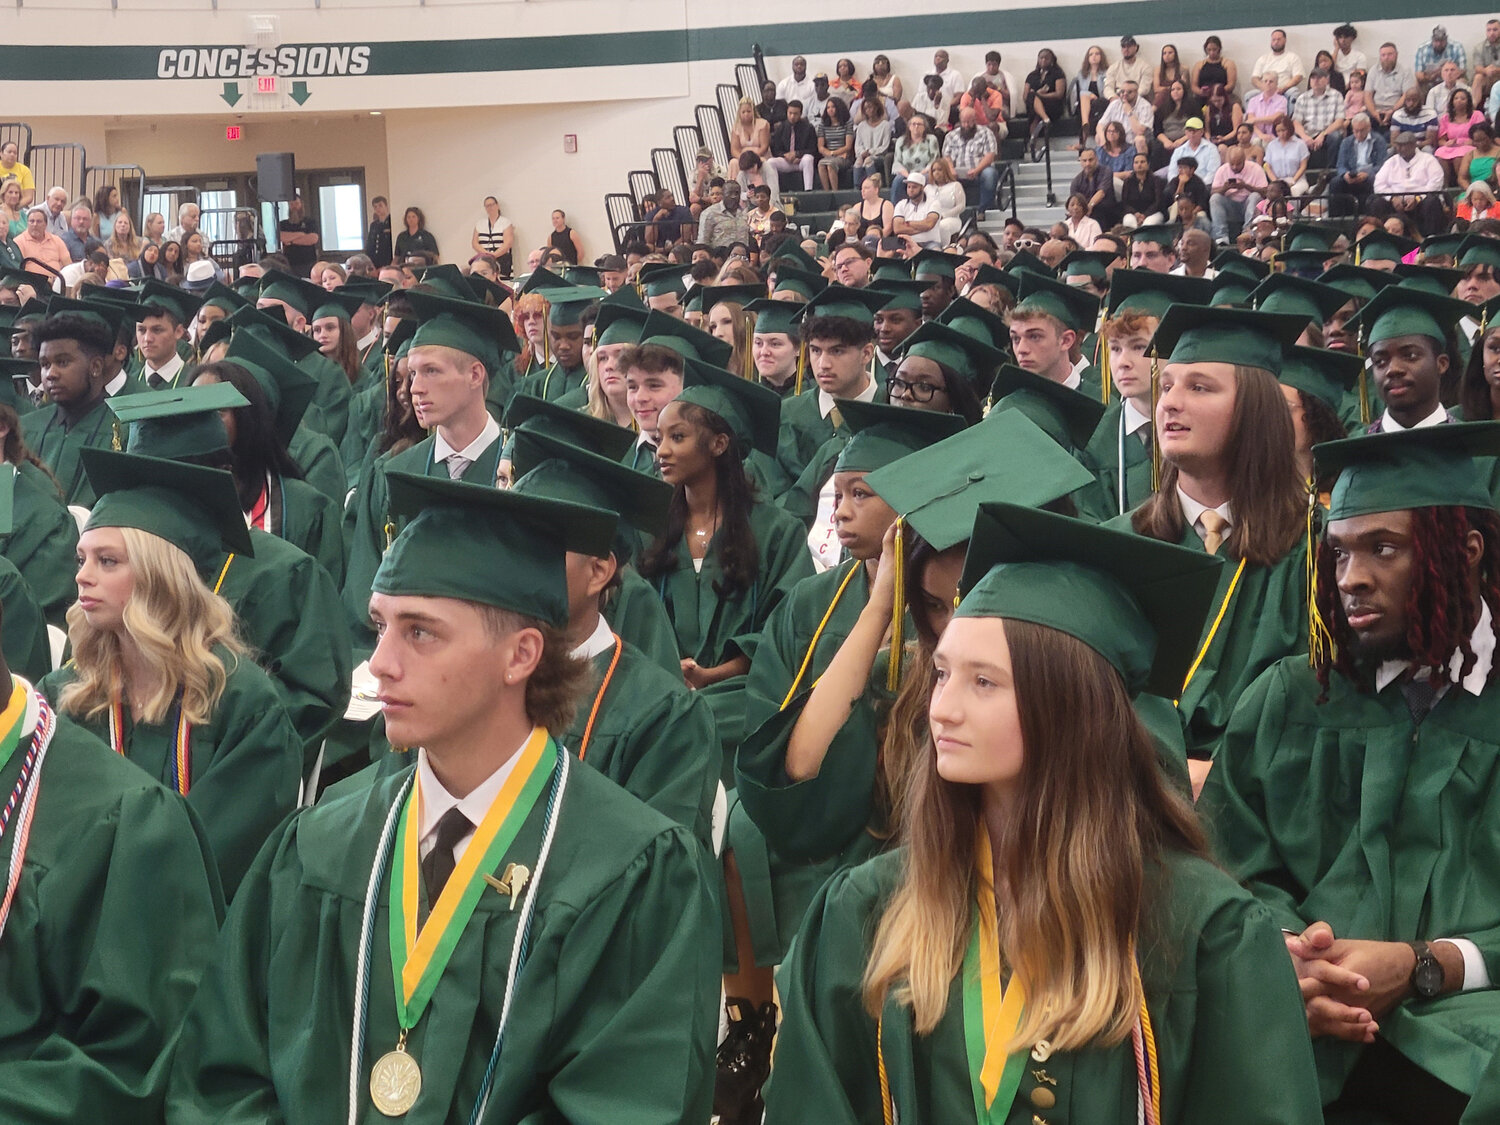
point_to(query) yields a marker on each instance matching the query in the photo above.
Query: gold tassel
(1106, 376)
(898, 610)
(1364, 387)
(1358, 254)
(1155, 437)
(1319, 639)
(117, 441)
(801, 366)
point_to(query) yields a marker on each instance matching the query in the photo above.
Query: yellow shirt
(21, 173)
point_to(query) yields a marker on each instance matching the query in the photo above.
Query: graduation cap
(841, 301)
(987, 274)
(446, 280)
(891, 269)
(752, 411)
(1383, 246)
(493, 546)
(619, 322)
(804, 283)
(247, 287)
(177, 423)
(15, 278)
(371, 291)
(902, 293)
(774, 317)
(1092, 264)
(543, 281)
(295, 292)
(1401, 311)
(549, 466)
(266, 325)
(474, 329)
(662, 279)
(961, 309)
(1080, 413)
(220, 296)
(1164, 236)
(937, 264)
(398, 339)
(1326, 375)
(289, 390)
(791, 251)
(1437, 280)
(1148, 293)
(159, 298)
(194, 508)
(1477, 250)
(12, 370)
(1298, 296)
(1232, 261)
(692, 298)
(111, 317)
(534, 415)
(33, 311)
(1441, 246)
(1068, 304)
(740, 295)
(938, 490)
(1303, 263)
(584, 275)
(1426, 467)
(967, 354)
(689, 342)
(339, 302)
(1192, 334)
(1356, 282)
(881, 434)
(1230, 290)
(1136, 601)
(569, 305)
(1313, 236)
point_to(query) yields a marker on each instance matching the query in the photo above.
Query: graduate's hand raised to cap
(883, 592)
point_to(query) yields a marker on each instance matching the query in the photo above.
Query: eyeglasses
(898, 387)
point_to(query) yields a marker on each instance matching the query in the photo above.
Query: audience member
(1095, 185)
(37, 241)
(754, 174)
(953, 81)
(1478, 202)
(298, 237)
(1045, 91)
(1287, 156)
(931, 102)
(885, 81)
(988, 105)
(1186, 183)
(915, 152)
(79, 241)
(845, 83)
(835, 144)
(379, 247)
(414, 237)
(1486, 61)
(1478, 164)
(750, 133)
(1410, 184)
(670, 222)
(56, 204)
(1086, 90)
(1129, 67)
(187, 222)
(1346, 57)
(1318, 119)
(1197, 146)
(872, 139)
(106, 207)
(947, 192)
(1116, 154)
(725, 222)
(1133, 112)
(563, 239)
(917, 216)
(1453, 129)
(1195, 247)
(1450, 82)
(495, 235)
(796, 86)
(1263, 110)
(1081, 228)
(1285, 65)
(1141, 195)
(794, 145)
(971, 151)
(1416, 118)
(11, 166)
(1237, 187)
(770, 109)
(1361, 155)
(1431, 55)
(1388, 82)
(997, 77)
(1213, 69)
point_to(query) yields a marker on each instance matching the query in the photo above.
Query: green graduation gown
(310, 520)
(1231, 1037)
(289, 614)
(366, 415)
(57, 445)
(42, 544)
(613, 1016)
(245, 763)
(23, 632)
(635, 612)
(552, 383)
(318, 458)
(803, 431)
(1102, 455)
(1347, 812)
(114, 918)
(331, 399)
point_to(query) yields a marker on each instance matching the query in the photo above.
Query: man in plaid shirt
(1431, 56)
(973, 149)
(1319, 119)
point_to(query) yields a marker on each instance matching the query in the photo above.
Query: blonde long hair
(175, 619)
(1093, 814)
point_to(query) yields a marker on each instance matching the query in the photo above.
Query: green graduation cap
(1440, 246)
(1191, 334)
(689, 342)
(1080, 412)
(1232, 261)
(487, 292)
(881, 434)
(289, 390)
(33, 311)
(996, 332)
(903, 293)
(535, 415)
(841, 301)
(446, 280)
(569, 305)
(1398, 310)
(1478, 250)
(936, 263)
(177, 423)
(618, 322)
(247, 287)
(337, 302)
(371, 291)
(662, 279)
(111, 317)
(1067, 303)
(774, 317)
(11, 371)
(398, 339)
(1138, 602)
(1426, 467)
(158, 297)
(191, 507)
(1438, 280)
(1024, 262)
(1383, 246)
(548, 466)
(493, 546)
(1356, 282)
(791, 251)
(967, 354)
(1164, 236)
(805, 283)
(1297, 296)
(1147, 293)
(543, 281)
(15, 278)
(1231, 290)
(1326, 375)
(1303, 263)
(692, 298)
(1313, 236)
(1092, 264)
(1005, 457)
(220, 296)
(266, 325)
(987, 274)
(296, 292)
(474, 329)
(891, 269)
(740, 295)
(752, 411)
(584, 275)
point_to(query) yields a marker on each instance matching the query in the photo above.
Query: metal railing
(643, 185)
(749, 78)
(58, 165)
(669, 172)
(1007, 182)
(20, 132)
(714, 133)
(624, 218)
(728, 97)
(132, 189)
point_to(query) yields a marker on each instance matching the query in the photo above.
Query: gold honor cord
(1213, 630)
(854, 565)
(1319, 639)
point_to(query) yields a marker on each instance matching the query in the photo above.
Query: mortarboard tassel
(801, 366)
(1319, 639)
(898, 609)
(1155, 437)
(1106, 377)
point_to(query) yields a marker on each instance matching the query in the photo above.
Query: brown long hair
(1268, 499)
(1093, 814)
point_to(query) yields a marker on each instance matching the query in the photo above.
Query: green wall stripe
(824, 39)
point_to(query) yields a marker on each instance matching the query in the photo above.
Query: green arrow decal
(299, 93)
(231, 93)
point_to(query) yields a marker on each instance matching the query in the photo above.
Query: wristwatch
(1427, 976)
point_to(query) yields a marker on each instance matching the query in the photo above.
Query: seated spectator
(915, 152)
(1486, 61)
(1189, 215)
(1132, 111)
(36, 241)
(1116, 154)
(885, 81)
(1357, 98)
(1081, 228)
(1361, 155)
(11, 167)
(1129, 67)
(1416, 118)
(123, 242)
(874, 213)
(797, 86)
(821, 94)
(1221, 115)
(870, 91)
(1195, 247)
(753, 174)
(701, 177)
(106, 207)
(835, 144)
(771, 109)
(1237, 188)
(1186, 183)
(758, 217)
(1169, 69)
(931, 102)
(1430, 57)
(1453, 130)
(12, 212)
(670, 222)
(1388, 82)
(794, 145)
(1287, 154)
(1264, 108)
(1174, 107)
(1478, 202)
(751, 133)
(1318, 119)
(953, 81)
(972, 151)
(187, 222)
(872, 139)
(1044, 91)
(845, 82)
(997, 77)
(988, 105)
(1141, 195)
(1286, 66)
(1213, 69)
(917, 216)
(1441, 95)
(79, 240)
(1347, 58)
(1323, 60)
(1410, 183)
(1086, 91)
(1478, 164)
(1096, 186)
(1196, 145)
(725, 222)
(946, 190)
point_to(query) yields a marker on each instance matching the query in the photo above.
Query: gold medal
(395, 1081)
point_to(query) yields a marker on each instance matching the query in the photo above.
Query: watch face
(1429, 977)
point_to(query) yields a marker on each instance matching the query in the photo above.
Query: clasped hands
(1348, 984)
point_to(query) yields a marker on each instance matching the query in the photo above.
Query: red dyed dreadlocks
(1441, 614)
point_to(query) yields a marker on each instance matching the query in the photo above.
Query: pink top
(1354, 102)
(1456, 133)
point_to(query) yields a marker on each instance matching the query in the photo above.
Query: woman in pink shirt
(37, 242)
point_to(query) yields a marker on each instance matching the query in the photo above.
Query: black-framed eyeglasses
(898, 387)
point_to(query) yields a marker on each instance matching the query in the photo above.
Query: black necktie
(1420, 693)
(155, 381)
(452, 827)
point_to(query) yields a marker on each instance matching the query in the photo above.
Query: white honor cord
(528, 909)
(1121, 461)
(362, 973)
(46, 726)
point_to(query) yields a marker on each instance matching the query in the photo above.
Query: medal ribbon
(991, 1014)
(418, 958)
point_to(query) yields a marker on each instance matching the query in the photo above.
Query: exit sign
(234, 132)
(265, 84)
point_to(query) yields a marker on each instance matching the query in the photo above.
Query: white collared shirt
(441, 450)
(602, 639)
(168, 371)
(1389, 425)
(365, 341)
(1075, 376)
(1193, 511)
(1132, 419)
(436, 801)
(825, 400)
(113, 387)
